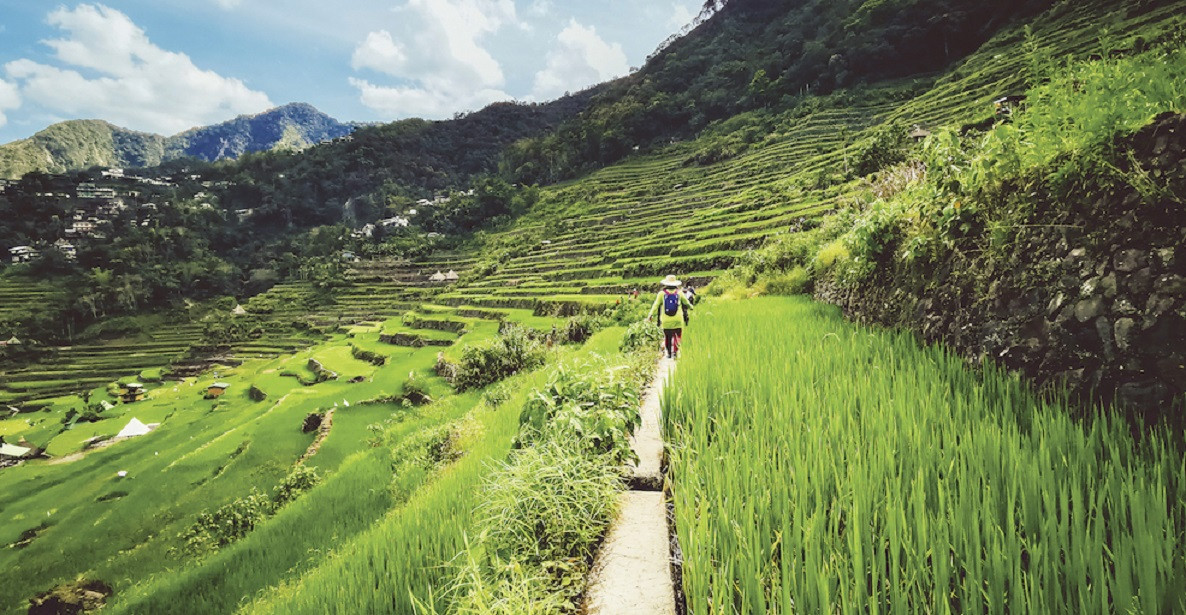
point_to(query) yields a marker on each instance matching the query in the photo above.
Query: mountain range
(78, 144)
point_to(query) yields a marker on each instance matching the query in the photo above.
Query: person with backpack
(670, 310)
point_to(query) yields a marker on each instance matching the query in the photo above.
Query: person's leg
(668, 342)
(677, 336)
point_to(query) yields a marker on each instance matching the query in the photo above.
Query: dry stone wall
(1093, 294)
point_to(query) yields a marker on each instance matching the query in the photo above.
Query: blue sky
(167, 65)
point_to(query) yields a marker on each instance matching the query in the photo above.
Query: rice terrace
(856, 306)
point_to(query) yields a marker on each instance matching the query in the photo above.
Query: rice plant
(820, 467)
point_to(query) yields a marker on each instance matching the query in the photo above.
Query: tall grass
(402, 559)
(823, 468)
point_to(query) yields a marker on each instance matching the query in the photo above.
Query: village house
(67, 249)
(451, 276)
(216, 390)
(366, 232)
(23, 254)
(88, 190)
(394, 221)
(132, 392)
(12, 451)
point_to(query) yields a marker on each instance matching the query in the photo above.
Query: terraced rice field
(586, 245)
(873, 475)
(18, 295)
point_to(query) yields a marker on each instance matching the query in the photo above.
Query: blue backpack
(671, 303)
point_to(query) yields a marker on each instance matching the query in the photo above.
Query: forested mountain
(78, 144)
(762, 54)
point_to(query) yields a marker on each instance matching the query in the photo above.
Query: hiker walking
(671, 313)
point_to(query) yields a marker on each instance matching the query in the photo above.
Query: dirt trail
(632, 574)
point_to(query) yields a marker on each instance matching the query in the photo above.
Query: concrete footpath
(632, 573)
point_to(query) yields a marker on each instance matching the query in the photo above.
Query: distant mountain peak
(78, 144)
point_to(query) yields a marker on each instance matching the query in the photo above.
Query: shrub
(414, 392)
(792, 282)
(301, 479)
(832, 253)
(642, 334)
(580, 328)
(237, 518)
(227, 524)
(596, 409)
(885, 147)
(484, 363)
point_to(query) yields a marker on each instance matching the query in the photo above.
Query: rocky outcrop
(1092, 295)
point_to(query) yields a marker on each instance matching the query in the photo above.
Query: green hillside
(80, 144)
(468, 435)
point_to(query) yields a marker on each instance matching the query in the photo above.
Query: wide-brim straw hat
(670, 281)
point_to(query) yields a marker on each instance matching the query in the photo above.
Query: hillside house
(81, 228)
(451, 276)
(12, 341)
(437, 277)
(89, 190)
(399, 221)
(216, 390)
(12, 451)
(132, 392)
(366, 232)
(67, 249)
(114, 173)
(918, 134)
(23, 254)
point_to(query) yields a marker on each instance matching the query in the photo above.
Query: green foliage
(794, 281)
(234, 520)
(642, 334)
(301, 479)
(596, 410)
(884, 147)
(226, 524)
(414, 392)
(516, 349)
(581, 327)
(545, 510)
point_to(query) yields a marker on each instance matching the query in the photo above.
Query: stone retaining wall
(1093, 295)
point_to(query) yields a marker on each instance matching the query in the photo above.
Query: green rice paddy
(822, 467)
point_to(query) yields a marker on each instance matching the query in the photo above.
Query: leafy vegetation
(515, 349)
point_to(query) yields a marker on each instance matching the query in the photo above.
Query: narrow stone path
(632, 574)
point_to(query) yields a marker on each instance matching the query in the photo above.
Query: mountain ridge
(78, 144)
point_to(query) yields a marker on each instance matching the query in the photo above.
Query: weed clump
(515, 350)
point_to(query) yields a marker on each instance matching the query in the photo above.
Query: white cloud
(540, 8)
(10, 98)
(228, 4)
(380, 53)
(580, 59)
(681, 16)
(135, 84)
(440, 61)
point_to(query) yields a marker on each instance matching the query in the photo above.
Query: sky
(165, 66)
